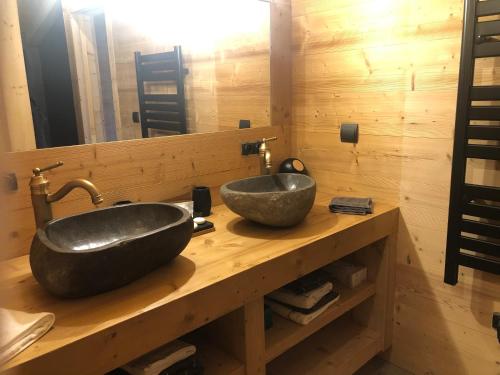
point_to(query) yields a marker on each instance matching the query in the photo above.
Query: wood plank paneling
(137, 170)
(393, 66)
(281, 65)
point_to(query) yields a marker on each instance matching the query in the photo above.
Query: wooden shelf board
(215, 360)
(340, 348)
(285, 334)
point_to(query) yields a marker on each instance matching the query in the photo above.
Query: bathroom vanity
(213, 292)
(146, 101)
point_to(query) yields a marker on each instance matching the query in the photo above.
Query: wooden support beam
(377, 313)
(281, 65)
(241, 333)
(253, 313)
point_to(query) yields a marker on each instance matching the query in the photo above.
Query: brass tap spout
(95, 195)
(265, 156)
(41, 198)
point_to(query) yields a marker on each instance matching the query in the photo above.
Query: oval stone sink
(280, 200)
(107, 248)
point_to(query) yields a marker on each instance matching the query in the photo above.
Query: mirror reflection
(112, 70)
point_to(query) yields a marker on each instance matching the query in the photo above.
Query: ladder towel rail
(478, 231)
(161, 111)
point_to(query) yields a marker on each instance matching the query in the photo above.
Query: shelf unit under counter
(339, 341)
(217, 285)
(349, 333)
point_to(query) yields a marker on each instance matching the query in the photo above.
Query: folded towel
(351, 205)
(296, 316)
(309, 282)
(306, 300)
(327, 298)
(19, 329)
(347, 273)
(154, 362)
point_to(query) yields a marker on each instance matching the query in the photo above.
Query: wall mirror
(107, 70)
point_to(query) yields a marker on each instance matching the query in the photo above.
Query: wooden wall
(229, 69)
(138, 170)
(392, 66)
(149, 169)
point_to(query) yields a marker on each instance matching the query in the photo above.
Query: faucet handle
(264, 140)
(38, 171)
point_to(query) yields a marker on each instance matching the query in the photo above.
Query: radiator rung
(488, 113)
(488, 8)
(480, 246)
(488, 28)
(482, 210)
(472, 191)
(484, 132)
(485, 93)
(487, 49)
(479, 263)
(480, 228)
(483, 152)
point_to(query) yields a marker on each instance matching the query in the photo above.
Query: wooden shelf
(215, 361)
(340, 348)
(285, 334)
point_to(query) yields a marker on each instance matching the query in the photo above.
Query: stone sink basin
(280, 200)
(104, 249)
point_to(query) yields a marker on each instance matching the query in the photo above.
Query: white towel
(18, 330)
(296, 316)
(160, 359)
(305, 300)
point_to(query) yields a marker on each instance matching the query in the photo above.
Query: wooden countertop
(217, 273)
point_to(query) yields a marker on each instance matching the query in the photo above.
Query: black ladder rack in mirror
(161, 111)
(474, 216)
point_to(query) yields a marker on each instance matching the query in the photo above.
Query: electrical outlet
(250, 148)
(136, 118)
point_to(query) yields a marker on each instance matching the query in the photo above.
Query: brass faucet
(265, 156)
(41, 198)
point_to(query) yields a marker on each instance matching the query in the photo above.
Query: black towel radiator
(161, 111)
(474, 216)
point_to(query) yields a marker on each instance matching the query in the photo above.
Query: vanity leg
(242, 334)
(390, 250)
(377, 312)
(255, 341)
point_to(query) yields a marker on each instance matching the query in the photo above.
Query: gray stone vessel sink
(280, 200)
(100, 250)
